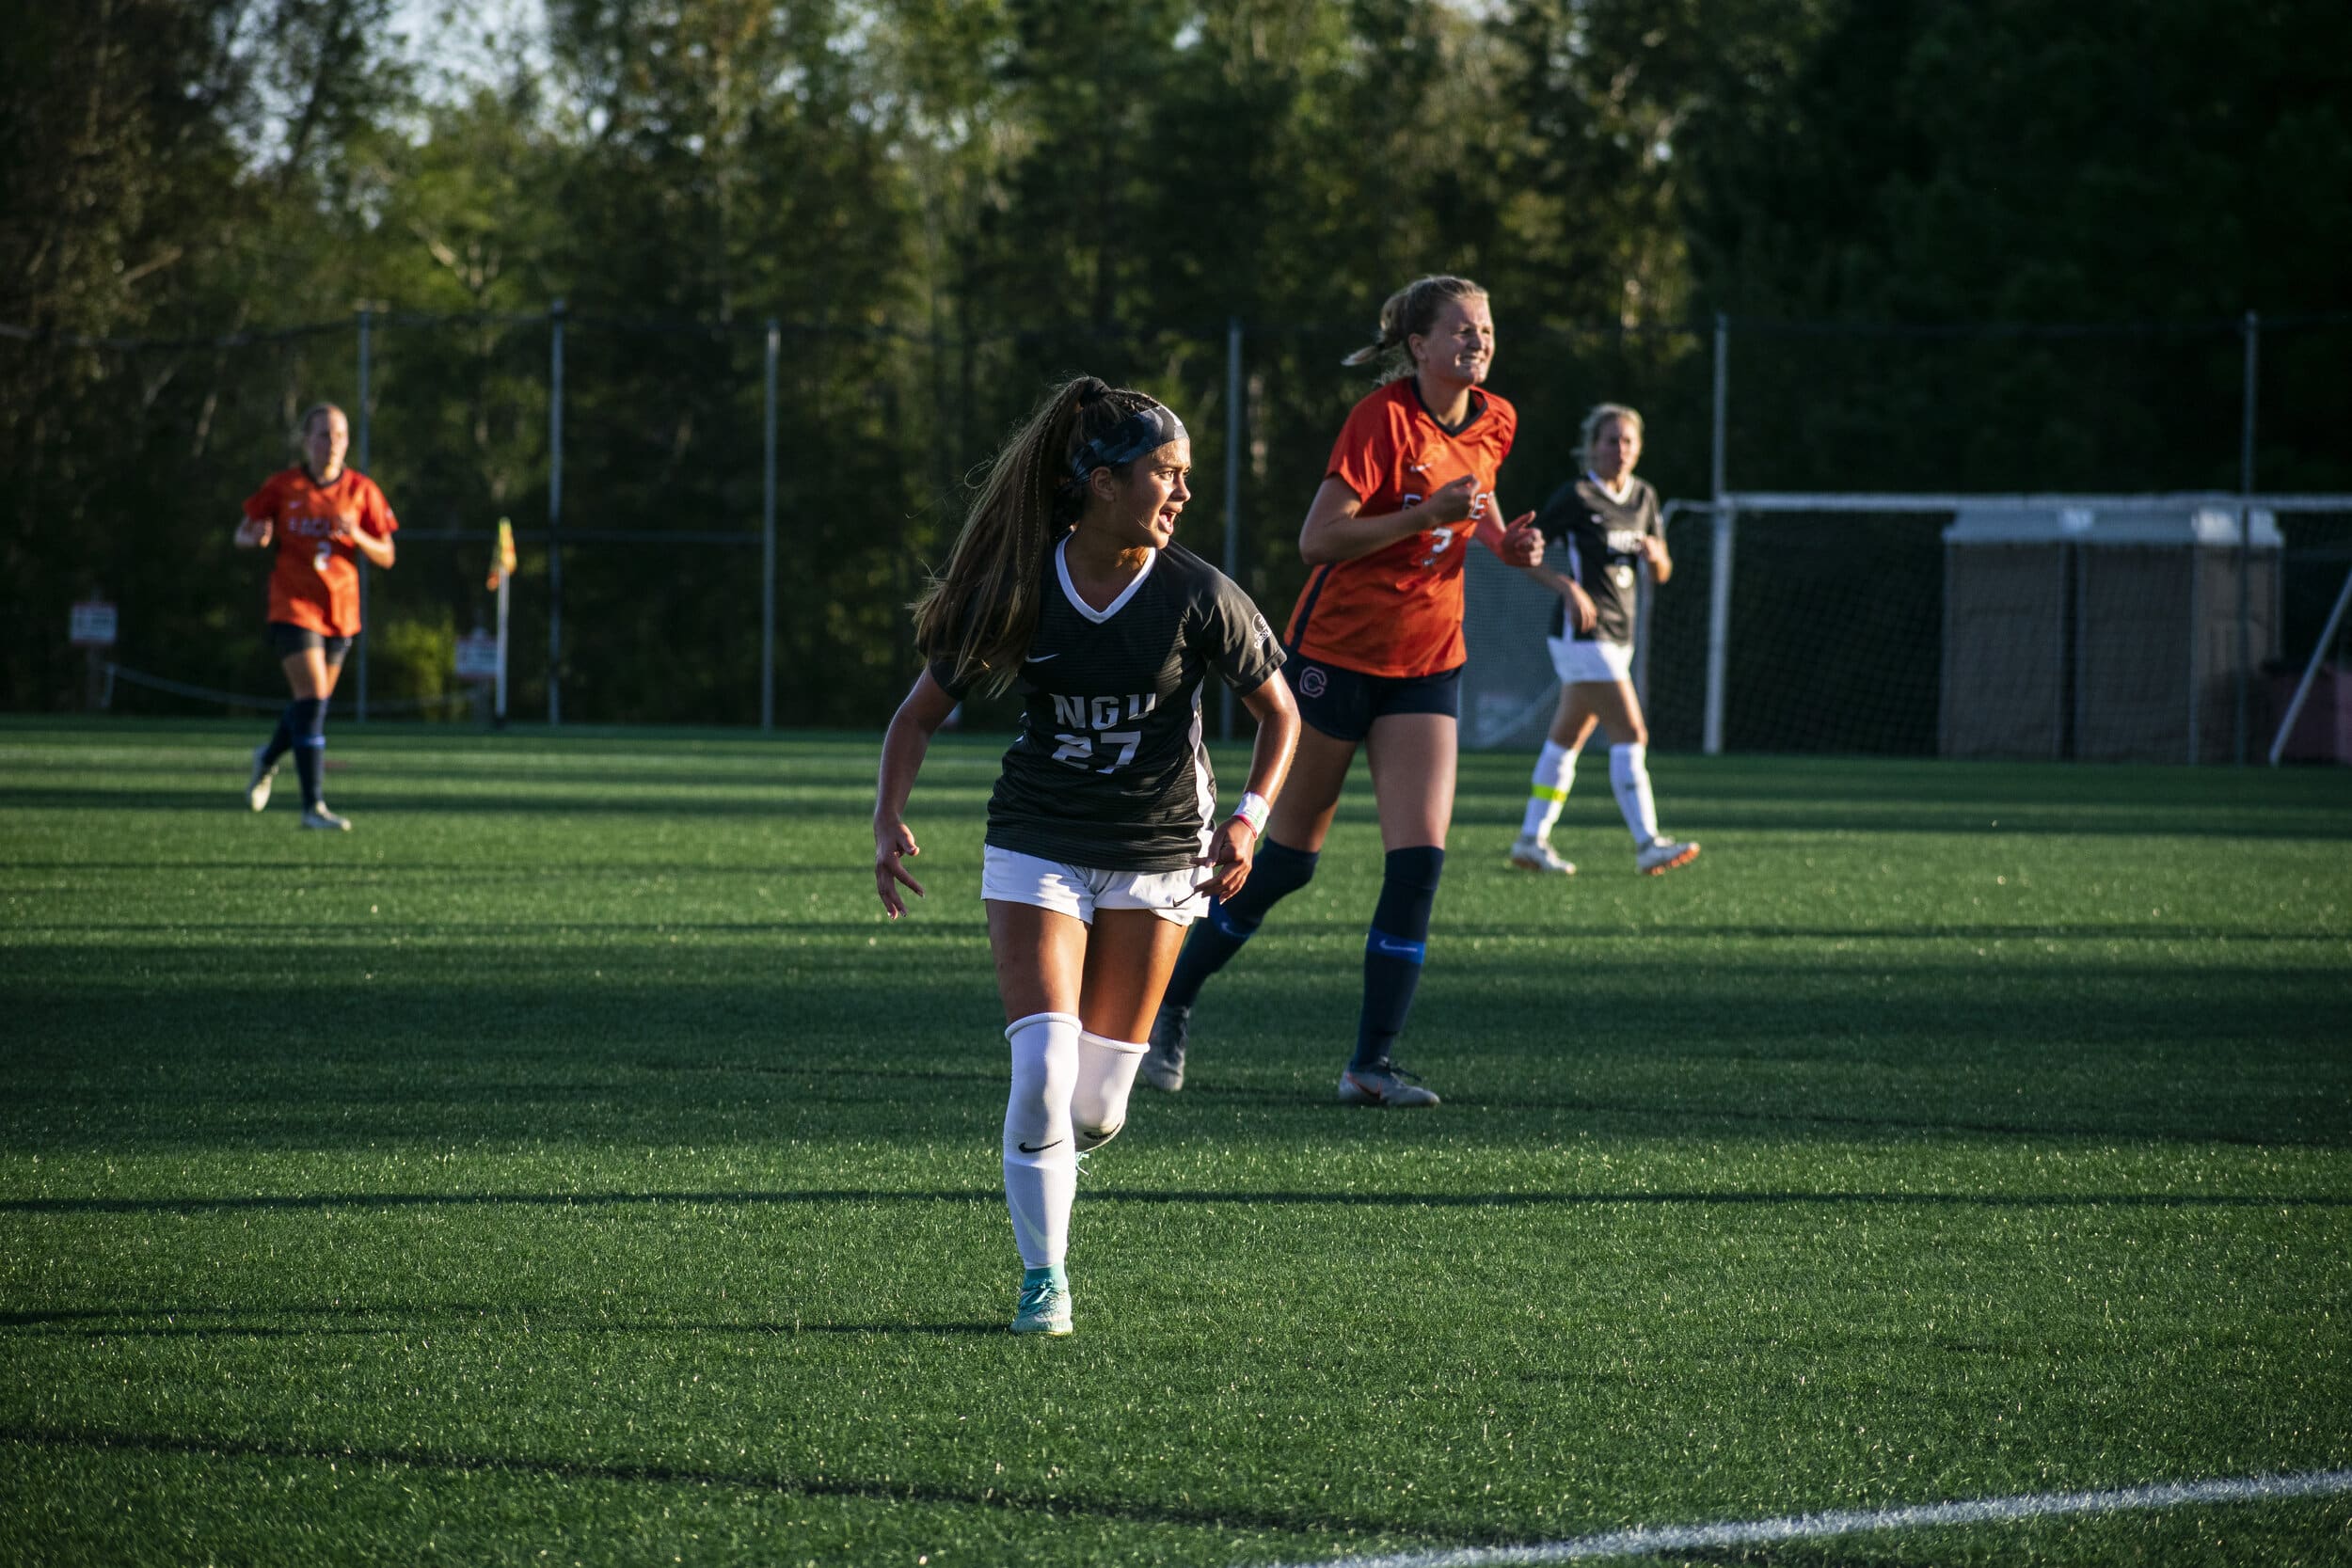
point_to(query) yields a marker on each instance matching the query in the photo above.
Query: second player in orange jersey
(322, 518)
(1376, 653)
(1396, 611)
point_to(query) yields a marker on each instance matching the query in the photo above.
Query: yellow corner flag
(502, 565)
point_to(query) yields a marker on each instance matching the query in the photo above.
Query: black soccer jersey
(1109, 771)
(1599, 544)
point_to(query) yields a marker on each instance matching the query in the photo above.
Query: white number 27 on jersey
(1078, 750)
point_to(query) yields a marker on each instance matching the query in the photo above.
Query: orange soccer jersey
(315, 583)
(1398, 611)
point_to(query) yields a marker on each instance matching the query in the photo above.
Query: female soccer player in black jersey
(1104, 839)
(1602, 528)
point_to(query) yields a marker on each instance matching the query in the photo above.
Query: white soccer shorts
(1578, 663)
(1080, 890)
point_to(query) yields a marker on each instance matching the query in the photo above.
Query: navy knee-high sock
(310, 746)
(282, 741)
(1280, 870)
(1393, 949)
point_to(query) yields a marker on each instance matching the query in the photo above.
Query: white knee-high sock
(1106, 1071)
(1629, 776)
(1548, 791)
(1041, 1161)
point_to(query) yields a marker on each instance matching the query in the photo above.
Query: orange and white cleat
(1662, 854)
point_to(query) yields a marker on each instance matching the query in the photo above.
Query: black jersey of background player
(1109, 769)
(1600, 543)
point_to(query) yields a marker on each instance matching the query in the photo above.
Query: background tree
(954, 203)
(170, 170)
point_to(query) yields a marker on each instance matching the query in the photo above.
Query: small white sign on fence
(93, 625)
(477, 656)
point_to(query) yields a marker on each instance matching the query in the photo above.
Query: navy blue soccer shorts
(1343, 703)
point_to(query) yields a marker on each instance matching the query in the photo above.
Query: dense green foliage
(951, 202)
(570, 1160)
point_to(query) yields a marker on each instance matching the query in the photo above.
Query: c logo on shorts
(1312, 681)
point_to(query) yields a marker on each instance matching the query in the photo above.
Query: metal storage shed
(2106, 635)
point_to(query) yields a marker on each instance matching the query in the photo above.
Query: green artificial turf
(570, 1165)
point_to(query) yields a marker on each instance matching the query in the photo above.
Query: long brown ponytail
(980, 613)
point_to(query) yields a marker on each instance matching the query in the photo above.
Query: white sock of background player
(1629, 777)
(1548, 790)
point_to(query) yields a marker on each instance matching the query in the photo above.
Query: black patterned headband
(1147, 429)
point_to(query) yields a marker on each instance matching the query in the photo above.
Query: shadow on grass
(193, 1203)
(457, 870)
(383, 798)
(1688, 1115)
(961, 922)
(192, 772)
(1206, 1516)
(2269, 820)
(129, 1047)
(1521, 1101)
(2317, 820)
(376, 930)
(167, 1322)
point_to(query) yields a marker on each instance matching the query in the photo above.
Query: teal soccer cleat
(1043, 1308)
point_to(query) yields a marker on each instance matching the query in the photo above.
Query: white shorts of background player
(1577, 663)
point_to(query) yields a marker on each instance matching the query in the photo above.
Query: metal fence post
(359, 438)
(768, 536)
(1719, 567)
(1645, 608)
(2200, 666)
(2246, 539)
(1233, 426)
(555, 514)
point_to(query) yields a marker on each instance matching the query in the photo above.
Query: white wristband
(1254, 809)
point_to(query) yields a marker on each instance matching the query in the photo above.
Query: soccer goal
(2050, 626)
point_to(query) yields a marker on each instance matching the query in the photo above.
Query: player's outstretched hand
(893, 844)
(1523, 542)
(254, 532)
(1232, 853)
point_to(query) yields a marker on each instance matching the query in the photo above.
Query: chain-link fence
(637, 462)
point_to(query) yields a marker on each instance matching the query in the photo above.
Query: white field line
(1813, 1527)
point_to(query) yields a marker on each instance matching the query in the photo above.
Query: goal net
(2150, 627)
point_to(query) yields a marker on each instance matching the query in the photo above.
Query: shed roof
(2208, 525)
